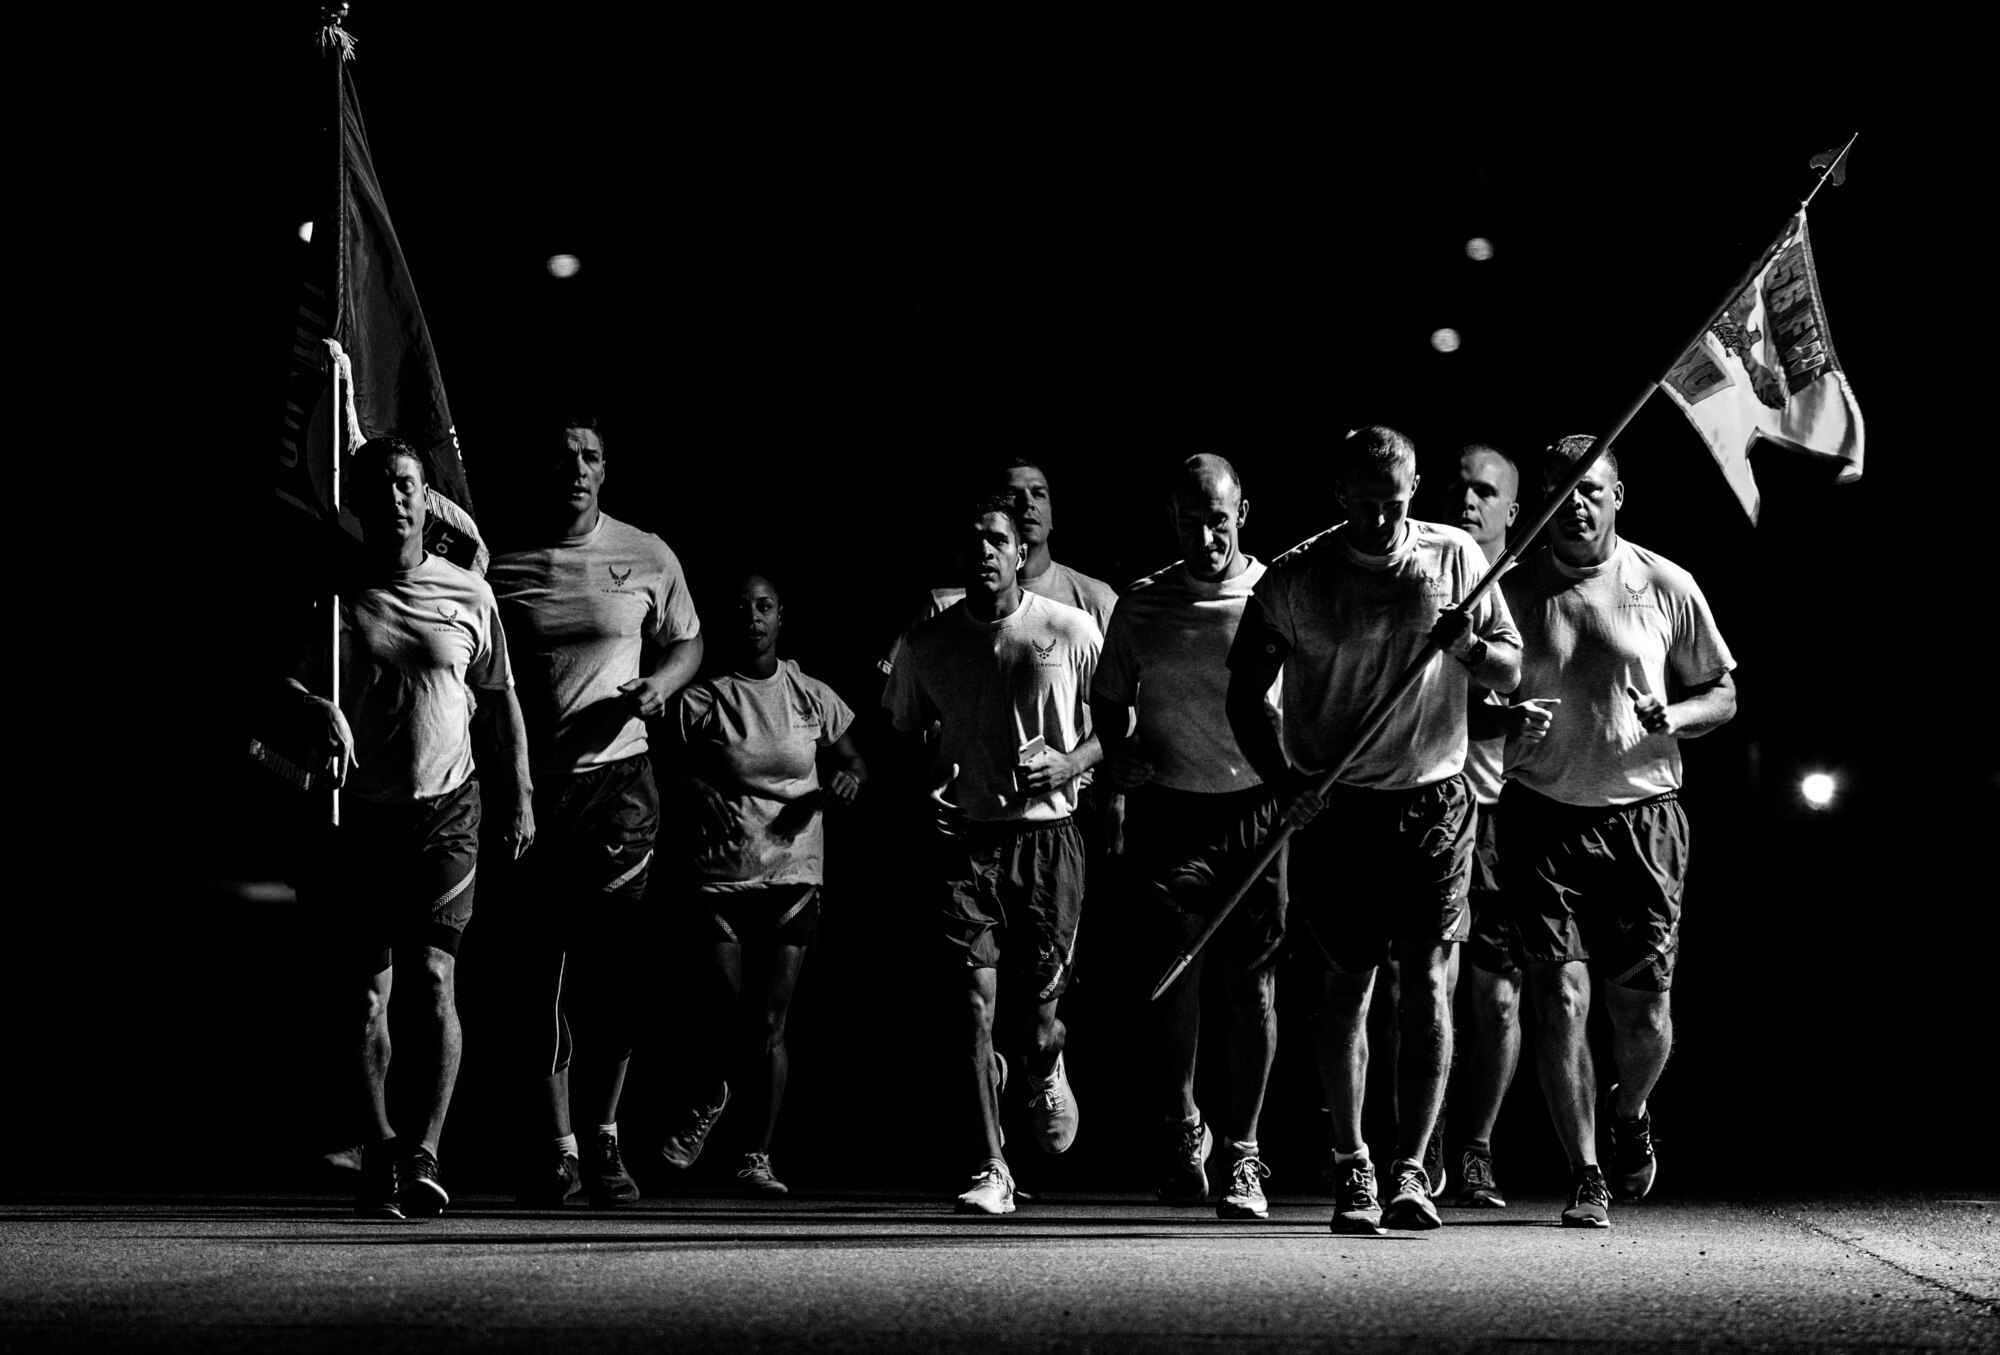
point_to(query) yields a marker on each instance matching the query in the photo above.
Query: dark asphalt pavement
(881, 1273)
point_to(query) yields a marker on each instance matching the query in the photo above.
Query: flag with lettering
(1766, 369)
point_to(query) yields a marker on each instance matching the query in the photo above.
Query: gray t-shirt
(994, 686)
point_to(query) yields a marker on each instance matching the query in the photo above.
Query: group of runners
(1050, 722)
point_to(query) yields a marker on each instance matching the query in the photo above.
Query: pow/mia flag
(1766, 369)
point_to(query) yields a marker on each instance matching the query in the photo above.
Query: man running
(1385, 871)
(604, 636)
(1597, 840)
(1196, 813)
(418, 635)
(1005, 676)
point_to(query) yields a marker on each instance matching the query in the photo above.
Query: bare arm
(1708, 706)
(1498, 668)
(1124, 766)
(506, 732)
(1052, 771)
(848, 773)
(674, 666)
(338, 735)
(1250, 676)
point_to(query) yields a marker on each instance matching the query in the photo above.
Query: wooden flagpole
(1379, 716)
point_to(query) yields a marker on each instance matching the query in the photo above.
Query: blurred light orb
(306, 231)
(1818, 790)
(1445, 340)
(1479, 249)
(563, 265)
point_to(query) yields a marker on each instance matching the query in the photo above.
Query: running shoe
(552, 1183)
(1477, 1188)
(1245, 1197)
(1355, 1208)
(1053, 1106)
(757, 1178)
(1627, 1147)
(683, 1146)
(344, 1159)
(1589, 1199)
(610, 1184)
(1186, 1179)
(376, 1196)
(420, 1192)
(992, 1191)
(1411, 1207)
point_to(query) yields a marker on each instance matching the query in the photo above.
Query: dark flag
(362, 360)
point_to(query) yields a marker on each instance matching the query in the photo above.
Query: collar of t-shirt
(1241, 584)
(1596, 571)
(1399, 551)
(389, 578)
(965, 614)
(571, 542)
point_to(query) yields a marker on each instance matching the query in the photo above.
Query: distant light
(1479, 249)
(1445, 341)
(563, 265)
(306, 231)
(1818, 790)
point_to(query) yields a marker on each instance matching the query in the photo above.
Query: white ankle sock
(1360, 1153)
(1243, 1147)
(611, 1129)
(567, 1142)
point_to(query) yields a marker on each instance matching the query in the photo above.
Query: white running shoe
(1053, 1106)
(992, 1191)
(1245, 1197)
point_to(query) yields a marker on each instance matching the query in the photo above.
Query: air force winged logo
(448, 614)
(617, 579)
(1045, 654)
(1639, 594)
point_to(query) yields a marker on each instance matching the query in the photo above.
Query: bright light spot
(1479, 249)
(563, 265)
(1445, 341)
(306, 231)
(1818, 790)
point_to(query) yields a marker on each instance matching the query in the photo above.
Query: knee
(768, 1035)
(1498, 1004)
(375, 1008)
(1256, 999)
(1643, 1020)
(1562, 997)
(979, 1006)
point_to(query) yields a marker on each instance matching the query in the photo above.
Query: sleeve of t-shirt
(910, 707)
(673, 617)
(834, 714)
(489, 669)
(1266, 628)
(1698, 653)
(1087, 654)
(1117, 678)
(691, 707)
(1491, 617)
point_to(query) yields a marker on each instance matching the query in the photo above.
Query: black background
(813, 295)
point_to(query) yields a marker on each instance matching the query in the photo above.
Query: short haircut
(386, 447)
(1017, 461)
(1488, 449)
(1001, 504)
(1373, 450)
(1561, 456)
(585, 419)
(1199, 471)
(743, 576)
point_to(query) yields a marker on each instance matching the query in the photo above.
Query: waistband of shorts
(1535, 802)
(623, 764)
(1017, 827)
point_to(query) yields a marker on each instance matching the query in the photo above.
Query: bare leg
(1561, 993)
(1642, 1035)
(1424, 1054)
(726, 995)
(441, 1015)
(1496, 1052)
(766, 1064)
(602, 1085)
(1340, 1037)
(981, 990)
(373, 1063)
(554, 1101)
(1253, 1044)
(1047, 1036)
(1177, 1016)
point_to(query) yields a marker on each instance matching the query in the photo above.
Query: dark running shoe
(1355, 1208)
(684, 1145)
(1589, 1200)
(1186, 1178)
(1410, 1208)
(552, 1183)
(1627, 1149)
(611, 1186)
(375, 1197)
(1476, 1188)
(421, 1193)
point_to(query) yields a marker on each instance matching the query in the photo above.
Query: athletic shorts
(594, 834)
(1600, 883)
(758, 915)
(402, 874)
(1379, 868)
(1186, 852)
(1490, 940)
(1012, 894)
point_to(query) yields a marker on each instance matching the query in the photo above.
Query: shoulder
(1446, 541)
(1048, 614)
(1317, 546)
(1095, 592)
(627, 540)
(805, 682)
(1656, 569)
(458, 580)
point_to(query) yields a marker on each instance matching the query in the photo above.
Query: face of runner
(578, 473)
(989, 555)
(1207, 522)
(1376, 505)
(1585, 527)
(1486, 499)
(388, 500)
(759, 615)
(1031, 504)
